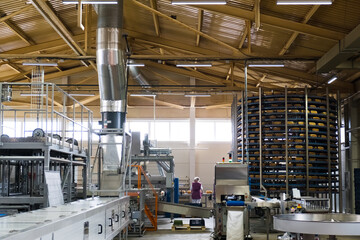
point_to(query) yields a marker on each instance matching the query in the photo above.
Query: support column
(192, 158)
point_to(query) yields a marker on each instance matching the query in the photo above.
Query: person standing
(196, 191)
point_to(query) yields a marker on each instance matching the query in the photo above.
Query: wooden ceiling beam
(48, 76)
(45, 56)
(257, 14)
(199, 25)
(295, 34)
(276, 22)
(235, 50)
(4, 18)
(86, 101)
(244, 35)
(185, 72)
(88, 26)
(54, 21)
(19, 32)
(151, 99)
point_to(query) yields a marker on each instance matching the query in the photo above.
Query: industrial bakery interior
(179, 119)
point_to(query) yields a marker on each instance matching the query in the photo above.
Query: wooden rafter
(235, 50)
(177, 106)
(24, 9)
(199, 25)
(257, 14)
(59, 27)
(19, 32)
(276, 22)
(295, 34)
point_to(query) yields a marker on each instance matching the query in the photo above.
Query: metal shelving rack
(292, 142)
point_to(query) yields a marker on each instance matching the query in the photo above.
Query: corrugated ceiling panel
(340, 16)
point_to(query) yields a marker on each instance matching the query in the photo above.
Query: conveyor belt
(184, 209)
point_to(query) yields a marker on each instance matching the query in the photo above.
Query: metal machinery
(98, 217)
(231, 195)
(311, 226)
(40, 137)
(152, 172)
(290, 141)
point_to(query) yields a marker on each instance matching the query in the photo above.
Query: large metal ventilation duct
(137, 76)
(111, 65)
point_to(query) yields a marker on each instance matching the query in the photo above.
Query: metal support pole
(286, 142)
(242, 127)
(260, 143)
(246, 114)
(234, 117)
(339, 153)
(307, 139)
(52, 113)
(46, 114)
(328, 148)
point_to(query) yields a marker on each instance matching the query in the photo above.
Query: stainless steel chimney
(111, 65)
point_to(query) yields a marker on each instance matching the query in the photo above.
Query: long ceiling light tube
(90, 2)
(142, 95)
(197, 95)
(198, 2)
(266, 65)
(304, 2)
(82, 94)
(194, 65)
(333, 79)
(45, 64)
(136, 64)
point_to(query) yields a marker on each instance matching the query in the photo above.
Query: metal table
(322, 224)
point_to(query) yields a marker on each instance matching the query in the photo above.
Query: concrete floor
(164, 232)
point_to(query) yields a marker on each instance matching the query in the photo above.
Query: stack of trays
(273, 115)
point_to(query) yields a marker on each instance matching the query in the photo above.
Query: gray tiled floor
(164, 232)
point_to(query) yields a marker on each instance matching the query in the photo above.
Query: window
(212, 130)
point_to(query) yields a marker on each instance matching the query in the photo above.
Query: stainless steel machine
(231, 197)
(102, 217)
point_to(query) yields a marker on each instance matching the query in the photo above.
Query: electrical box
(135, 144)
(169, 180)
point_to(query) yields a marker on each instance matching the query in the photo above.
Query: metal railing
(62, 118)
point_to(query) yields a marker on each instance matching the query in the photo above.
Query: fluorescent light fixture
(197, 95)
(45, 64)
(333, 79)
(266, 65)
(198, 2)
(82, 94)
(90, 2)
(194, 65)
(304, 2)
(136, 64)
(142, 95)
(32, 95)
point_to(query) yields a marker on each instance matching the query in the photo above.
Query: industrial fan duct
(111, 65)
(112, 74)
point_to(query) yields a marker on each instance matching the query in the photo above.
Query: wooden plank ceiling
(160, 35)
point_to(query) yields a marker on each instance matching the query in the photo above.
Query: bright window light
(304, 2)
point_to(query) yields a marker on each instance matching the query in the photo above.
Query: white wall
(206, 155)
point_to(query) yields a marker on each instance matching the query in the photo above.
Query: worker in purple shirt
(196, 191)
